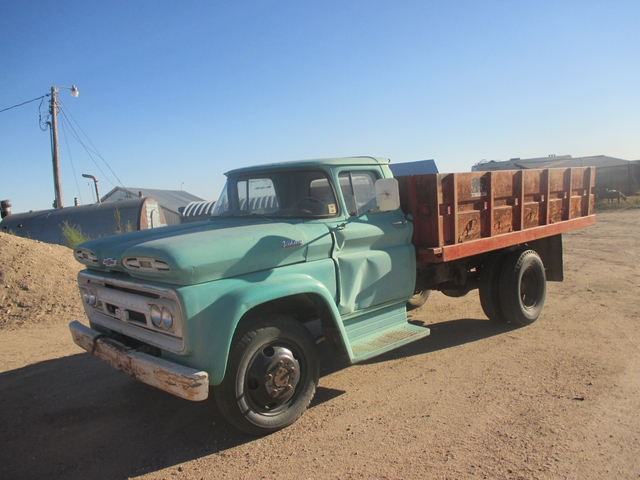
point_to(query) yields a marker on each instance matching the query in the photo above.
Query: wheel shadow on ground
(76, 417)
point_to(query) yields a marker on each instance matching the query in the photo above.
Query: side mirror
(387, 194)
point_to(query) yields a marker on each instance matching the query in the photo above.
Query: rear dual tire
(490, 288)
(513, 287)
(523, 287)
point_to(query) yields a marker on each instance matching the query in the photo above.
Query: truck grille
(126, 307)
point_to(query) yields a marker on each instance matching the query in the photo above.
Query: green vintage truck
(331, 250)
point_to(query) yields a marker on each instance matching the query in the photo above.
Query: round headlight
(156, 315)
(167, 319)
(89, 297)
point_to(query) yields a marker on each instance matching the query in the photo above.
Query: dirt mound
(37, 284)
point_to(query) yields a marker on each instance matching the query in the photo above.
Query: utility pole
(57, 185)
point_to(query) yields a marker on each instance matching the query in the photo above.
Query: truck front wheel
(271, 376)
(523, 286)
(419, 298)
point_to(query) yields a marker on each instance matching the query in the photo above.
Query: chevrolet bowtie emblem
(110, 262)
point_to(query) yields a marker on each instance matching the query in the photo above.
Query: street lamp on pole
(57, 203)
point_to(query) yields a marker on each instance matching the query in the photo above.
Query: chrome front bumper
(176, 379)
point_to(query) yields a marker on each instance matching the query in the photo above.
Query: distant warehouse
(611, 173)
(171, 201)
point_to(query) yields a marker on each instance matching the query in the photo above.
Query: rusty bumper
(176, 379)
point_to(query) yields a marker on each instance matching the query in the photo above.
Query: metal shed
(170, 201)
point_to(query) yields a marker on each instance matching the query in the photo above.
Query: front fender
(213, 310)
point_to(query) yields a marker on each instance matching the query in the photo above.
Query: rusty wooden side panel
(176, 379)
(454, 210)
(482, 245)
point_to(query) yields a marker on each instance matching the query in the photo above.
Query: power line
(86, 149)
(73, 168)
(23, 103)
(44, 124)
(95, 150)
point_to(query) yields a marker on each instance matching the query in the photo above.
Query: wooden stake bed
(458, 215)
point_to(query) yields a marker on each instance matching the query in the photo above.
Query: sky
(174, 94)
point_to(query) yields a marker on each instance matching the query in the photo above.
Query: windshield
(299, 194)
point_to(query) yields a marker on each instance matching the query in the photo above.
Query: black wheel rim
(530, 288)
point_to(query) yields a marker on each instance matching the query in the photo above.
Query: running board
(380, 331)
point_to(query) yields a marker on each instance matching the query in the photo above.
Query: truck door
(373, 251)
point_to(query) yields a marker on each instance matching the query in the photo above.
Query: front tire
(271, 376)
(419, 298)
(523, 286)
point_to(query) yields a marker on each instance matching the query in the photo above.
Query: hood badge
(292, 243)
(110, 262)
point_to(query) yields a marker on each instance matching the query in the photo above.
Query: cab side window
(358, 190)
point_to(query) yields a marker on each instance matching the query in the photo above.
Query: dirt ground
(557, 399)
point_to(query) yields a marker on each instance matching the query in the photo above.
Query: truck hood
(211, 250)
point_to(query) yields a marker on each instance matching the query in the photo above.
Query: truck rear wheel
(271, 376)
(523, 287)
(490, 288)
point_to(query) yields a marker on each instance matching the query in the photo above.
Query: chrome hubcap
(272, 377)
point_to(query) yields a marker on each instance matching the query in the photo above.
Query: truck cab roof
(310, 163)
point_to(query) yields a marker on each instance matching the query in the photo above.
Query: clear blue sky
(173, 94)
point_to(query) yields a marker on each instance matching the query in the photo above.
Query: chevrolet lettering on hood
(292, 243)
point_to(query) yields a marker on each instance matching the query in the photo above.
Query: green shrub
(73, 234)
(127, 228)
(116, 214)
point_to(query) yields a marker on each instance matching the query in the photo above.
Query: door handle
(401, 223)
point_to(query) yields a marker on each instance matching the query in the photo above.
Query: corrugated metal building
(197, 211)
(611, 173)
(170, 201)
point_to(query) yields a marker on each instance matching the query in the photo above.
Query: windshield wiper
(242, 214)
(260, 215)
